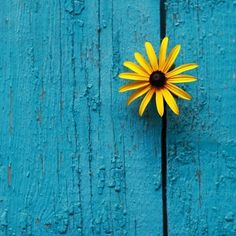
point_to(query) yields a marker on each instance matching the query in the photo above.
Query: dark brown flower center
(157, 79)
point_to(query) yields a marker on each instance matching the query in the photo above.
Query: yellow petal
(142, 62)
(171, 58)
(162, 53)
(182, 79)
(136, 68)
(181, 69)
(151, 55)
(133, 76)
(170, 101)
(159, 102)
(132, 86)
(178, 91)
(138, 94)
(145, 101)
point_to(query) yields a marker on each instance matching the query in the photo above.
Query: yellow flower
(157, 77)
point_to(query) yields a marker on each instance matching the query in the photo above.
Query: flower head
(157, 77)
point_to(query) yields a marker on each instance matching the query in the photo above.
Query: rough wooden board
(201, 143)
(74, 159)
(133, 24)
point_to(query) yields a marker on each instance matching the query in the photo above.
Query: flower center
(157, 79)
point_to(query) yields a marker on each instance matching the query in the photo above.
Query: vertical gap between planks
(163, 135)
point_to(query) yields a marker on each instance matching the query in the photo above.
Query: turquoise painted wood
(202, 148)
(74, 159)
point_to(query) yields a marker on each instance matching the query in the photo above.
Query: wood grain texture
(74, 159)
(201, 161)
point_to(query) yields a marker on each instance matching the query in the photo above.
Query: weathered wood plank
(201, 142)
(38, 146)
(137, 139)
(74, 159)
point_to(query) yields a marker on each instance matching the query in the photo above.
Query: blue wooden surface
(74, 160)
(202, 148)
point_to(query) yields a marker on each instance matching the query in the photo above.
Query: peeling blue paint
(74, 159)
(201, 148)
